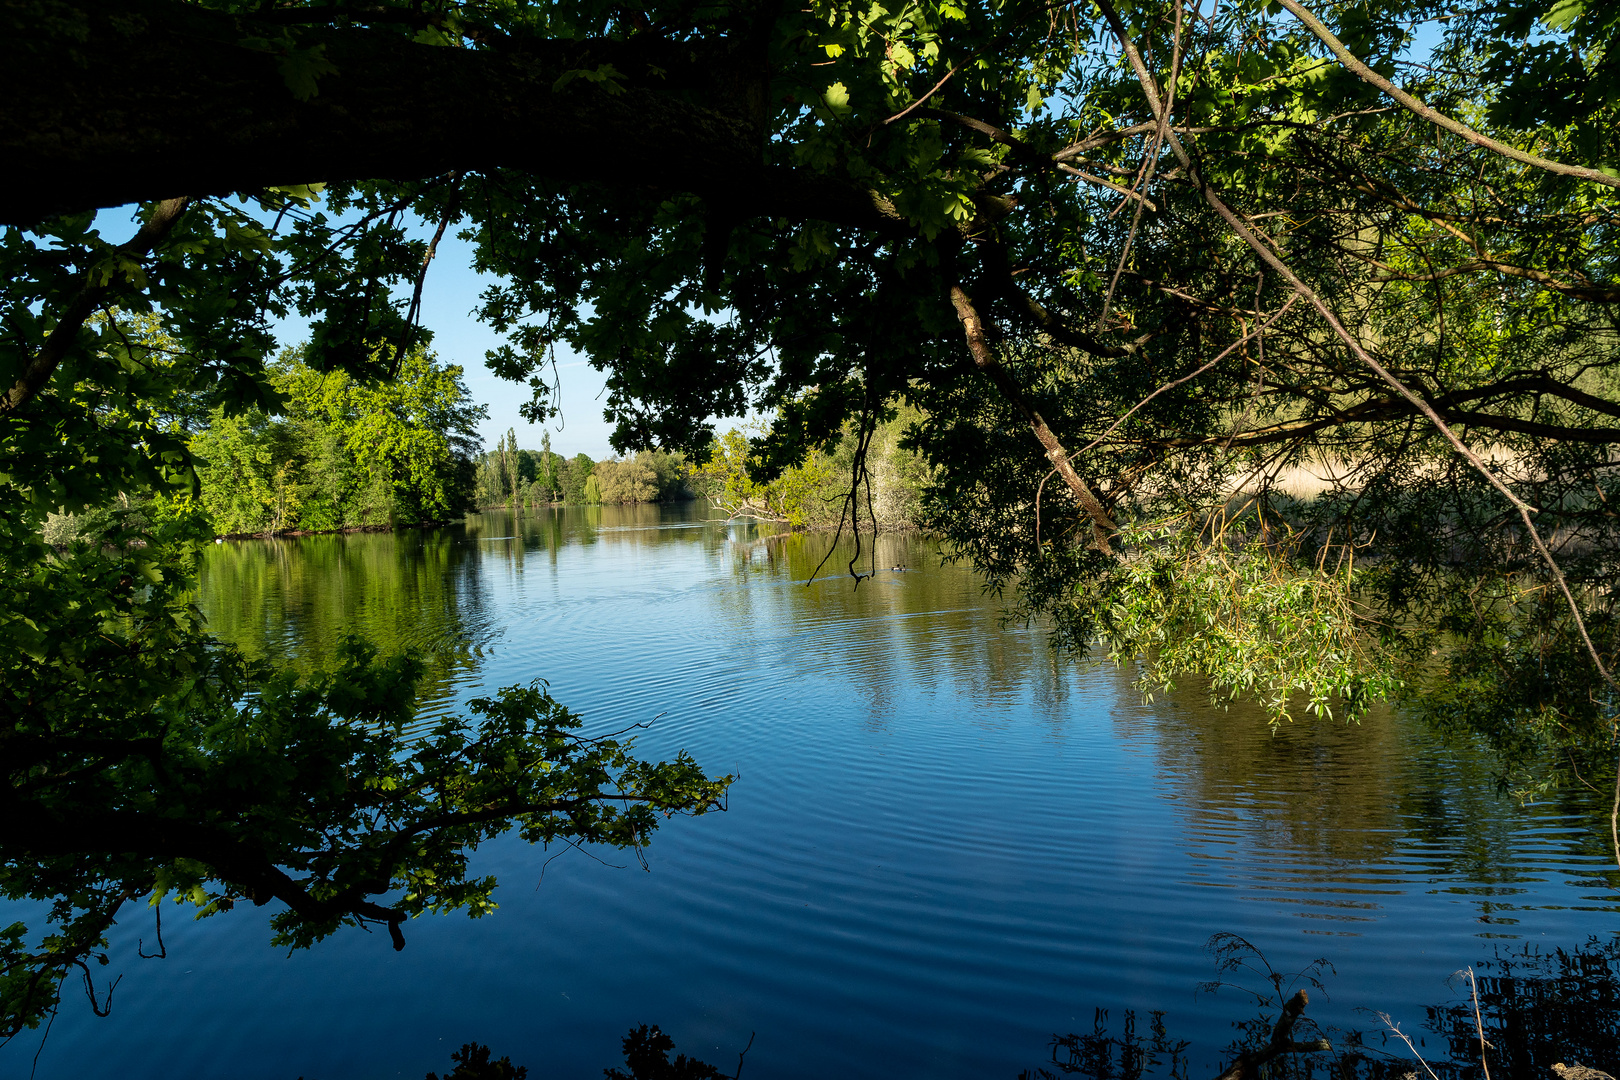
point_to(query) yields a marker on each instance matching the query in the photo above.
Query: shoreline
(281, 534)
(290, 534)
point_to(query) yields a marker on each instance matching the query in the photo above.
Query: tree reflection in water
(1538, 1009)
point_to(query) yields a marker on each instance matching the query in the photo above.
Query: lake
(945, 844)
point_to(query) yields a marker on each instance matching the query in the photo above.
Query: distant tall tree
(509, 465)
(548, 468)
(575, 471)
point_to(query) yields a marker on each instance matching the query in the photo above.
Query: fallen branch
(1282, 1042)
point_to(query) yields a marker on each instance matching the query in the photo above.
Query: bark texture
(108, 104)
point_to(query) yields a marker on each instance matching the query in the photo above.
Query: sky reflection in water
(946, 842)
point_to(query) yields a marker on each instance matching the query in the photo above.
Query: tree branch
(1271, 259)
(162, 97)
(72, 318)
(1101, 524)
(1368, 75)
(1282, 1042)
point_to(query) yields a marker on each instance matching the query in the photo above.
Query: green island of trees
(1247, 342)
(339, 453)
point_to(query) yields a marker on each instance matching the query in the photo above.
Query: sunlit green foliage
(512, 477)
(1239, 612)
(816, 492)
(344, 453)
(648, 476)
(796, 496)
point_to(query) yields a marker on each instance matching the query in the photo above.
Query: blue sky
(448, 300)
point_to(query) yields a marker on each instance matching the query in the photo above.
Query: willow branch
(1271, 259)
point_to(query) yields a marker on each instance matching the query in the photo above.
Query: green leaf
(302, 69)
(605, 76)
(837, 99)
(1564, 13)
(307, 194)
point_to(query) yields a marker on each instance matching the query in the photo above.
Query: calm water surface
(945, 843)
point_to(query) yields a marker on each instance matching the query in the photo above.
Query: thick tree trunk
(113, 103)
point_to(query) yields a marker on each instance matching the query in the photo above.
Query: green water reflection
(1316, 797)
(291, 600)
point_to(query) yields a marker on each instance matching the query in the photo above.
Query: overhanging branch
(110, 104)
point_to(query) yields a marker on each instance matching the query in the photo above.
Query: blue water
(946, 843)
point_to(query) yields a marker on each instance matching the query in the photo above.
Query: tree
(345, 454)
(628, 481)
(1133, 264)
(576, 472)
(649, 476)
(249, 473)
(815, 492)
(548, 467)
(671, 473)
(508, 449)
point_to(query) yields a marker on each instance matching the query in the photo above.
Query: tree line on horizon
(814, 493)
(515, 478)
(346, 454)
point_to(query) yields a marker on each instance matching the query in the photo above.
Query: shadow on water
(1361, 805)
(1522, 1014)
(1519, 1015)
